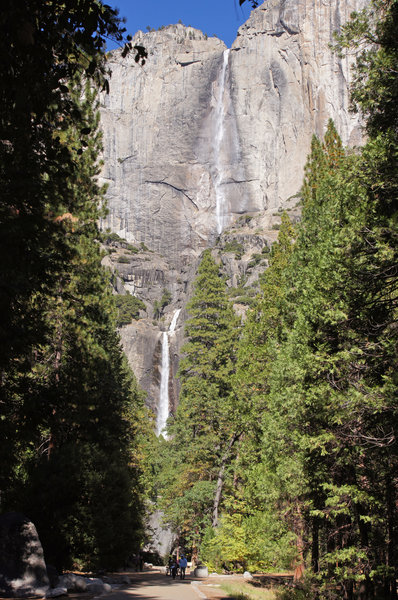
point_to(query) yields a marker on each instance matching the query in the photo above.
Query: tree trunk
(220, 479)
(392, 535)
(315, 545)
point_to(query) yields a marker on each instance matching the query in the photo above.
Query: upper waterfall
(221, 209)
(201, 134)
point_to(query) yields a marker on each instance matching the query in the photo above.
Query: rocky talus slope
(202, 137)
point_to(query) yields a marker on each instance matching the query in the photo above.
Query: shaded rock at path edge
(22, 568)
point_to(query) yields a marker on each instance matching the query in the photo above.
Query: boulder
(55, 592)
(22, 568)
(97, 586)
(73, 583)
(201, 571)
(247, 575)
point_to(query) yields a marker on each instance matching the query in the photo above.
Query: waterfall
(163, 406)
(174, 320)
(218, 138)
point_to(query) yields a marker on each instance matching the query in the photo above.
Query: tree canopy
(69, 406)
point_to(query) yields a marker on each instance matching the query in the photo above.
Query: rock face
(22, 568)
(202, 137)
(286, 83)
(201, 134)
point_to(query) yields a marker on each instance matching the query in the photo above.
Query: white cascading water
(163, 406)
(218, 138)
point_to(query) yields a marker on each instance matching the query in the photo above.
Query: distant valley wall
(205, 146)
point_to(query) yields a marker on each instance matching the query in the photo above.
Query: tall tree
(205, 427)
(68, 400)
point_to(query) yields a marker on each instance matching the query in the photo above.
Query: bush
(128, 308)
(235, 247)
(108, 237)
(123, 259)
(255, 260)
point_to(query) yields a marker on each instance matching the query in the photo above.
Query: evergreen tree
(68, 401)
(258, 519)
(206, 425)
(330, 375)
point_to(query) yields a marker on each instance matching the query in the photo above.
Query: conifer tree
(69, 403)
(206, 424)
(330, 374)
(254, 506)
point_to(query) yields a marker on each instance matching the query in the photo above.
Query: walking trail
(154, 585)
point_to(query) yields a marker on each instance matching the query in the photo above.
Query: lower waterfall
(163, 406)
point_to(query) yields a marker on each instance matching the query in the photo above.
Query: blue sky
(220, 17)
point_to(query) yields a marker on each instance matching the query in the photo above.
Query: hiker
(136, 561)
(169, 565)
(183, 566)
(174, 568)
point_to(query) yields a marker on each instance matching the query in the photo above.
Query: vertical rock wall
(286, 84)
(164, 163)
(202, 136)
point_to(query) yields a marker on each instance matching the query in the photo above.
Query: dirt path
(153, 585)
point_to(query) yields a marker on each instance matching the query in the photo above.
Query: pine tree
(68, 400)
(257, 513)
(205, 428)
(330, 374)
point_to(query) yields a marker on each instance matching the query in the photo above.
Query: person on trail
(169, 565)
(183, 566)
(174, 568)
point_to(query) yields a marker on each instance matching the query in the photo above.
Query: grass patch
(245, 591)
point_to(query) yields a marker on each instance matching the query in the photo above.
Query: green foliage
(109, 236)
(123, 260)
(69, 404)
(203, 431)
(166, 298)
(128, 308)
(234, 247)
(255, 260)
(160, 305)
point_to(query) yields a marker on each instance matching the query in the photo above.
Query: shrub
(128, 308)
(235, 247)
(107, 237)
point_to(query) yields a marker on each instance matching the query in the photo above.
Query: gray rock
(98, 587)
(55, 592)
(247, 575)
(200, 135)
(22, 567)
(201, 571)
(73, 583)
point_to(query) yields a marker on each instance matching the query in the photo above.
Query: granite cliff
(202, 137)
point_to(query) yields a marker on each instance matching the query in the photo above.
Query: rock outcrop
(201, 134)
(205, 146)
(22, 568)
